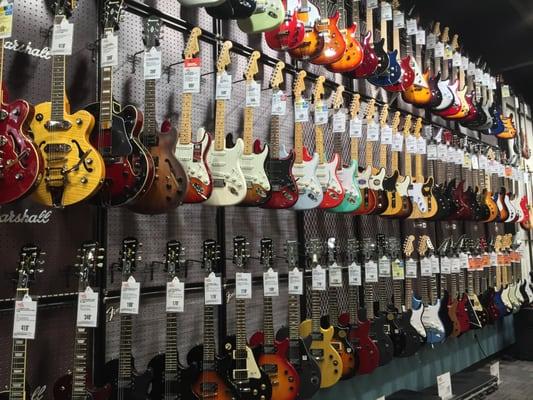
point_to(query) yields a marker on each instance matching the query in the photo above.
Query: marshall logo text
(26, 48)
(25, 217)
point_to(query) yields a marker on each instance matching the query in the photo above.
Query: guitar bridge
(58, 125)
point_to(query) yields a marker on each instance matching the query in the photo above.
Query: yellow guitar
(74, 170)
(321, 349)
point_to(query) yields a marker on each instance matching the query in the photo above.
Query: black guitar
(127, 383)
(232, 9)
(171, 379)
(439, 189)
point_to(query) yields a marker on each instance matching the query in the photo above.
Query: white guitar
(304, 167)
(376, 180)
(417, 308)
(229, 184)
(447, 95)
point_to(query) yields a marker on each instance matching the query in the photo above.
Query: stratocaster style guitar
(272, 355)
(127, 383)
(190, 153)
(334, 46)
(278, 166)
(378, 173)
(304, 168)
(229, 184)
(73, 386)
(322, 349)
(73, 169)
(168, 189)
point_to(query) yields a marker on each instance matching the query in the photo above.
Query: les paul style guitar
(170, 183)
(74, 170)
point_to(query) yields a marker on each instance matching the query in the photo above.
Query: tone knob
(79, 121)
(39, 117)
(335, 362)
(84, 180)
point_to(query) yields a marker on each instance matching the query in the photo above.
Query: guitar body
(463, 110)
(510, 208)
(232, 9)
(432, 323)
(368, 196)
(498, 302)
(21, 163)
(497, 123)
(447, 96)
(444, 203)
(170, 183)
(462, 314)
(309, 189)
(353, 53)
(352, 195)
(376, 184)
(284, 191)
(370, 60)
(526, 221)
(503, 213)
(268, 16)
(69, 150)
(455, 105)
(444, 316)
(424, 203)
(333, 192)
(63, 390)
(462, 210)
(334, 45)
(399, 203)
(366, 348)
(322, 350)
(472, 316)
(407, 76)
(417, 312)
(193, 158)
(347, 352)
(211, 379)
(490, 204)
(436, 94)
(253, 168)
(180, 384)
(487, 301)
(137, 389)
(419, 95)
(412, 341)
(384, 342)
(312, 43)
(452, 313)
(229, 184)
(396, 334)
(481, 313)
(391, 75)
(289, 35)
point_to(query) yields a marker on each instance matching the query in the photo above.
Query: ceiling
(498, 31)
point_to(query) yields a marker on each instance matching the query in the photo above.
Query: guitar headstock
(90, 256)
(455, 42)
(418, 127)
(407, 123)
(314, 252)
(369, 249)
(436, 29)
(267, 253)
(395, 124)
(174, 259)
(352, 250)
(62, 8)
(498, 247)
(381, 244)
(337, 97)
(192, 48)
(111, 14)
(409, 246)
(276, 79)
(319, 91)
(151, 31)
(393, 248)
(447, 137)
(355, 105)
(384, 114)
(299, 85)
(483, 245)
(252, 69)
(128, 256)
(370, 110)
(423, 245)
(210, 256)
(240, 252)
(292, 254)
(224, 58)
(445, 36)
(29, 265)
(332, 250)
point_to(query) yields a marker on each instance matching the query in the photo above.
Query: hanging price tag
(431, 41)
(478, 76)
(448, 52)
(471, 68)
(445, 265)
(371, 272)
(464, 63)
(411, 144)
(129, 296)
(192, 69)
(243, 285)
(467, 161)
(386, 11)
(444, 386)
(319, 278)
(25, 318)
(6, 18)
(223, 88)
(62, 35)
(371, 4)
(87, 315)
(412, 27)
(432, 152)
(483, 162)
(356, 128)
(463, 261)
(493, 83)
(279, 103)
(456, 265)
(421, 145)
(410, 268)
(486, 79)
(213, 290)
(425, 267)
(301, 111)
(442, 152)
(474, 161)
(339, 122)
(372, 132)
(439, 50)
(335, 275)
(108, 49)
(321, 114)
(459, 156)
(175, 296)
(296, 282)
(456, 60)
(398, 19)
(397, 142)
(435, 264)
(398, 270)
(253, 94)
(270, 283)
(152, 64)
(384, 267)
(421, 37)
(354, 274)
(506, 92)
(386, 135)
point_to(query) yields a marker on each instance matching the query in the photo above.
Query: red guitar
(370, 60)
(289, 35)
(21, 164)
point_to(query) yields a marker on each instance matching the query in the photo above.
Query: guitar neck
(186, 118)
(333, 305)
(369, 300)
(18, 363)
(319, 144)
(58, 88)
(354, 149)
(209, 338)
(408, 292)
(395, 161)
(383, 156)
(124, 357)
(241, 354)
(294, 317)
(383, 34)
(79, 370)
(220, 119)
(150, 137)
(106, 98)
(171, 352)
(369, 156)
(274, 136)
(298, 143)
(419, 176)
(397, 293)
(248, 131)
(315, 311)
(353, 293)
(268, 324)
(433, 292)
(408, 164)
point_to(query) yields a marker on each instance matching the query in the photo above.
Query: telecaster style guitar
(74, 170)
(378, 173)
(170, 183)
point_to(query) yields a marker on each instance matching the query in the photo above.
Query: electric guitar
(462, 309)
(229, 183)
(378, 173)
(433, 71)
(437, 169)
(232, 9)
(272, 355)
(312, 42)
(169, 187)
(278, 166)
(289, 35)
(268, 15)
(334, 45)
(73, 168)
(190, 153)
(252, 162)
(474, 264)
(321, 348)
(126, 382)
(74, 385)
(170, 378)
(370, 60)
(248, 380)
(200, 3)
(448, 283)
(441, 65)
(304, 168)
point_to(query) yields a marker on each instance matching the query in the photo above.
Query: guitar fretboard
(124, 357)
(241, 371)
(220, 118)
(149, 135)
(209, 338)
(79, 372)
(369, 300)
(408, 292)
(319, 144)
(274, 136)
(353, 293)
(294, 316)
(397, 292)
(298, 143)
(171, 354)
(268, 323)
(18, 370)
(315, 311)
(333, 305)
(58, 88)
(185, 119)
(248, 131)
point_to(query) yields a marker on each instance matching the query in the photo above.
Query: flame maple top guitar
(278, 166)
(229, 183)
(334, 46)
(322, 349)
(312, 42)
(289, 35)
(129, 169)
(310, 193)
(74, 170)
(170, 182)
(74, 385)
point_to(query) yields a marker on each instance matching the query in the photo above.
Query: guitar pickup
(318, 354)
(57, 125)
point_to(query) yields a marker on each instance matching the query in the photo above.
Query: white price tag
(6, 18)
(412, 27)
(410, 144)
(386, 11)
(432, 152)
(439, 50)
(371, 4)
(243, 285)
(467, 161)
(212, 290)
(445, 265)
(62, 35)
(339, 122)
(87, 315)
(421, 145)
(397, 142)
(471, 68)
(372, 132)
(319, 278)
(398, 270)
(175, 296)
(448, 52)
(25, 318)
(493, 83)
(108, 50)
(456, 60)
(463, 260)
(474, 161)
(371, 272)
(223, 88)
(444, 386)
(506, 92)
(270, 283)
(442, 152)
(431, 41)
(435, 264)
(279, 103)
(129, 296)
(296, 282)
(410, 268)
(356, 128)
(486, 79)
(495, 371)
(459, 156)
(384, 267)
(335, 275)
(354, 274)
(152, 64)
(386, 135)
(483, 162)
(301, 111)
(464, 63)
(425, 267)
(321, 114)
(421, 37)
(192, 69)
(478, 76)
(398, 19)
(253, 94)
(456, 265)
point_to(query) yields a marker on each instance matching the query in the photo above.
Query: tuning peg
(42, 253)
(100, 257)
(139, 258)
(40, 262)
(39, 270)
(100, 265)
(139, 244)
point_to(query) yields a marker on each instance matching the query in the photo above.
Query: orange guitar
(334, 45)
(312, 42)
